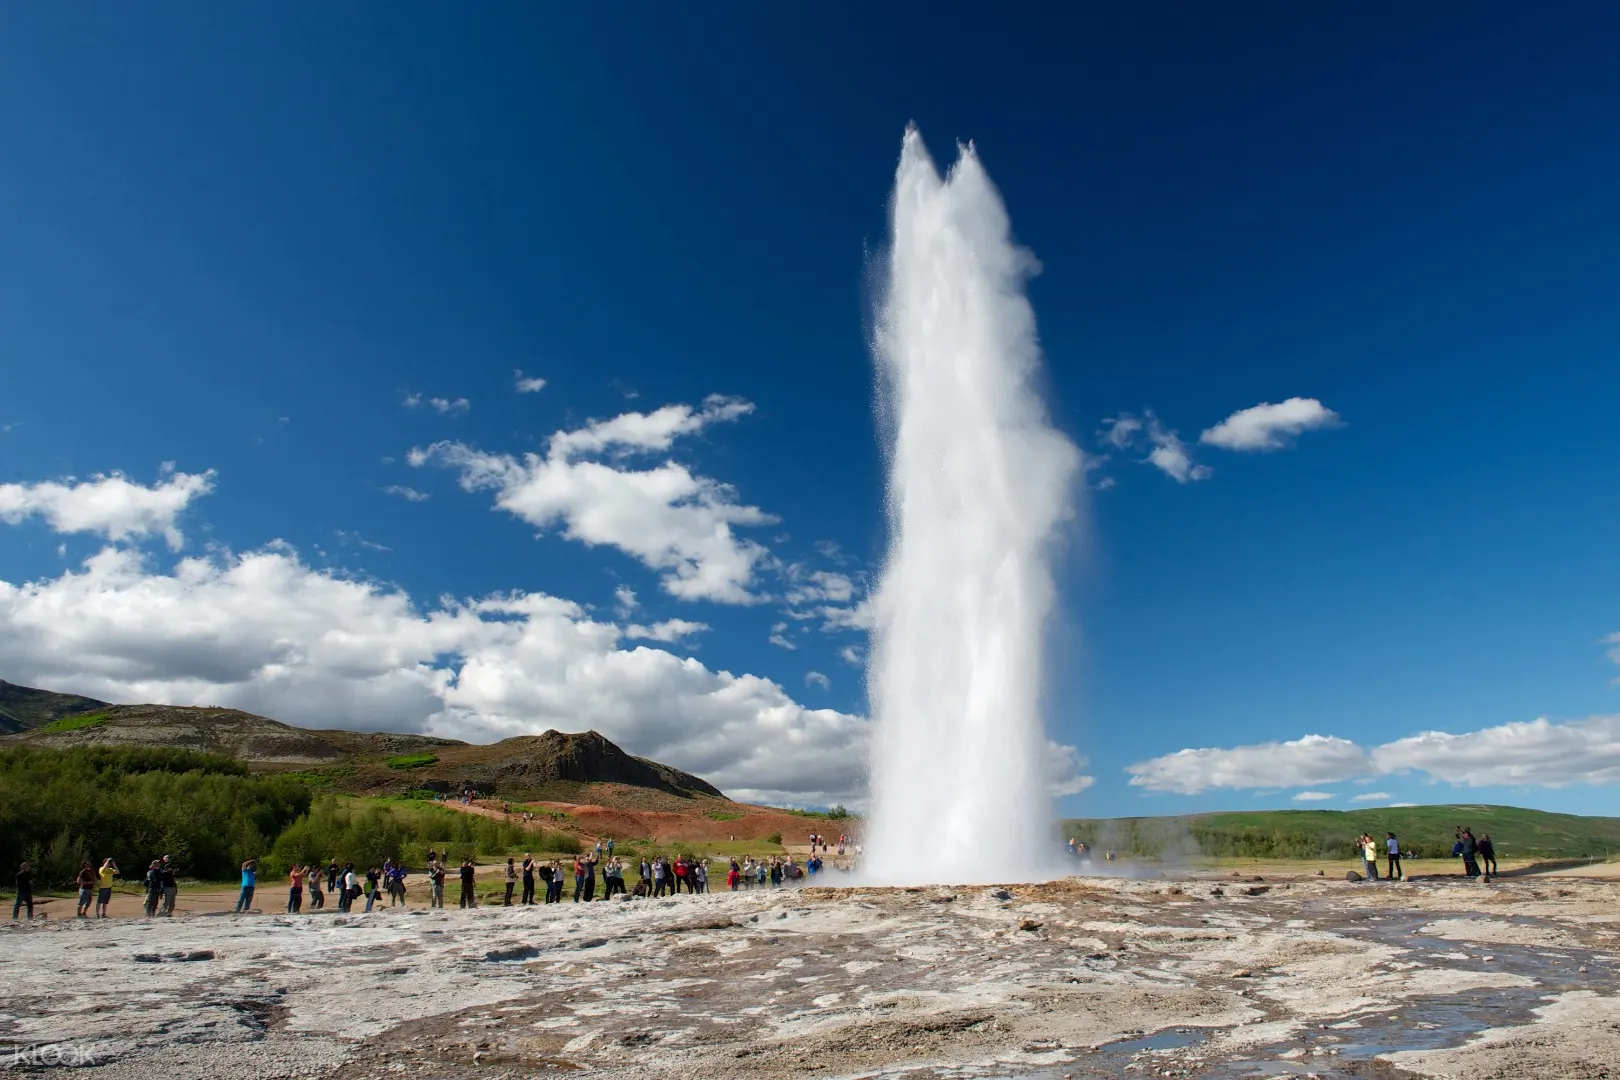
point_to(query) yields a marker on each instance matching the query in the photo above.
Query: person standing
(154, 887)
(104, 886)
(250, 878)
(25, 892)
(545, 872)
(373, 887)
(590, 878)
(1487, 855)
(1394, 848)
(511, 880)
(332, 879)
(86, 883)
(733, 875)
(658, 875)
(171, 885)
(1469, 852)
(312, 877)
(579, 877)
(436, 885)
(1369, 855)
(528, 878)
(295, 889)
(468, 898)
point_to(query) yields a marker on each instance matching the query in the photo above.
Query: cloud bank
(1536, 753)
(263, 632)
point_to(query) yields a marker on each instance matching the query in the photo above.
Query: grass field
(73, 723)
(1330, 834)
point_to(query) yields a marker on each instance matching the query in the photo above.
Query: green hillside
(23, 708)
(1331, 834)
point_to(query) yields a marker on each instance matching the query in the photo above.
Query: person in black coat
(25, 893)
(1487, 855)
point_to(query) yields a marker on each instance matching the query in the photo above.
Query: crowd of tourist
(542, 881)
(1474, 854)
(546, 881)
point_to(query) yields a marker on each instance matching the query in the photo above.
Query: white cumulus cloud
(1169, 454)
(816, 678)
(261, 631)
(1535, 753)
(1314, 796)
(527, 385)
(665, 516)
(1063, 768)
(109, 504)
(1171, 458)
(654, 431)
(1371, 796)
(1269, 426)
(438, 404)
(670, 630)
(814, 585)
(408, 493)
(1315, 759)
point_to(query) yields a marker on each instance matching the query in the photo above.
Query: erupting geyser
(979, 485)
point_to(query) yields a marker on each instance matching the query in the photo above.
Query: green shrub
(60, 807)
(774, 838)
(412, 761)
(366, 831)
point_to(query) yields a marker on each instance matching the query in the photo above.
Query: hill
(553, 763)
(1303, 834)
(23, 708)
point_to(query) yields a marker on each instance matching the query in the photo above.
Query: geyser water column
(979, 485)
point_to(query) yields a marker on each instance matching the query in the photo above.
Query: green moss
(412, 761)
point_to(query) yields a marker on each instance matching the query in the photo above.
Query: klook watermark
(49, 1055)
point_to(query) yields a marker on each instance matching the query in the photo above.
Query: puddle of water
(1163, 1040)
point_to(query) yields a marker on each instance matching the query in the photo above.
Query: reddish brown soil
(593, 821)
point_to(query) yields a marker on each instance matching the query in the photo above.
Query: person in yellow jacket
(104, 882)
(1369, 854)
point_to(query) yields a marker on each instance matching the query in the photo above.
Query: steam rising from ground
(979, 483)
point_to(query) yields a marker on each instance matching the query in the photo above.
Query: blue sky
(246, 241)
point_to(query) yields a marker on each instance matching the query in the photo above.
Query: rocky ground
(1075, 979)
